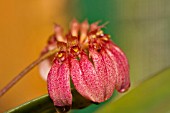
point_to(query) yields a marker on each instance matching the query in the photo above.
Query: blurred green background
(139, 27)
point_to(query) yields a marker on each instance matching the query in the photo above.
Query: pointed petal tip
(96, 23)
(85, 21)
(74, 22)
(57, 28)
(94, 26)
(85, 25)
(74, 27)
(56, 25)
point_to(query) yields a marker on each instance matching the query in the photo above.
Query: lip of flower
(90, 59)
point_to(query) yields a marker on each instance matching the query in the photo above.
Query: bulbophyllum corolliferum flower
(87, 57)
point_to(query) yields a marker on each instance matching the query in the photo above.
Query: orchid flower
(87, 58)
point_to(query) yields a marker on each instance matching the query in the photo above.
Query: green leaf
(151, 96)
(41, 104)
(44, 104)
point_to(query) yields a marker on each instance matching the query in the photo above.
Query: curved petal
(123, 80)
(59, 84)
(111, 70)
(78, 80)
(101, 72)
(91, 79)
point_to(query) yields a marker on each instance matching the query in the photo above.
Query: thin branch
(25, 71)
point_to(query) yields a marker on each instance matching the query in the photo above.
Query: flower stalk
(26, 70)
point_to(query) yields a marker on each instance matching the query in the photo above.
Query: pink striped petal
(100, 71)
(92, 80)
(59, 84)
(78, 80)
(123, 80)
(111, 70)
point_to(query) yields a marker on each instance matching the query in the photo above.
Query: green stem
(25, 71)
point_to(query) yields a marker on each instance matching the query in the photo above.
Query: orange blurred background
(24, 29)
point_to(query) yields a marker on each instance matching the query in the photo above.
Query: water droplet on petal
(124, 88)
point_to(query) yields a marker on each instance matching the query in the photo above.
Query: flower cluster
(87, 57)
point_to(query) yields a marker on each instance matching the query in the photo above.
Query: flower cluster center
(80, 38)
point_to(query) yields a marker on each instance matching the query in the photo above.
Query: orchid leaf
(44, 104)
(150, 96)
